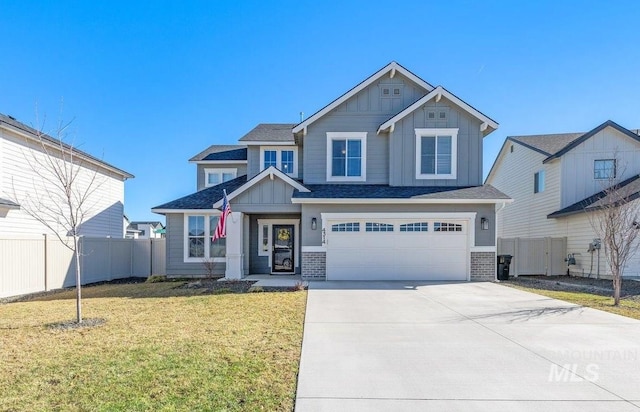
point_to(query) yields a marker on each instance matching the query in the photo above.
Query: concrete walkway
(396, 346)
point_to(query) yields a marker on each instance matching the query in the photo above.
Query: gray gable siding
(242, 170)
(266, 196)
(402, 147)
(253, 161)
(363, 112)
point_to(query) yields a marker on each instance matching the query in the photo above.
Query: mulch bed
(214, 286)
(603, 287)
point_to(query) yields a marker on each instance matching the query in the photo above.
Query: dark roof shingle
(218, 150)
(9, 203)
(270, 132)
(204, 199)
(630, 188)
(343, 191)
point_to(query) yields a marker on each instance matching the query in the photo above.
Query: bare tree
(615, 217)
(60, 193)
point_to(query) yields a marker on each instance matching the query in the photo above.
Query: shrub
(156, 278)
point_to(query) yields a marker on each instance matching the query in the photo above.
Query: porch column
(235, 234)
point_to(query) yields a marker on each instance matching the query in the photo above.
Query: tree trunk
(617, 286)
(78, 286)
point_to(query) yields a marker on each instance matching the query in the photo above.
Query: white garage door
(397, 249)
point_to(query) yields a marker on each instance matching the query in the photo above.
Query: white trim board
(488, 124)
(397, 201)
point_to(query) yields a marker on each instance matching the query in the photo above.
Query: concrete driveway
(397, 346)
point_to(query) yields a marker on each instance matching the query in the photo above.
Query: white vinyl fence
(36, 264)
(535, 256)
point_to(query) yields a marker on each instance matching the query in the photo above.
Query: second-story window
(604, 169)
(282, 158)
(216, 176)
(270, 159)
(346, 156)
(286, 161)
(538, 182)
(436, 153)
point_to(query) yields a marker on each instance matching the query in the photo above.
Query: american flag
(221, 229)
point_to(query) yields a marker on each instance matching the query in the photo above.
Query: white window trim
(279, 150)
(209, 171)
(453, 132)
(362, 136)
(269, 223)
(207, 243)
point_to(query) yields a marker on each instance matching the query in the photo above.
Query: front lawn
(629, 307)
(161, 348)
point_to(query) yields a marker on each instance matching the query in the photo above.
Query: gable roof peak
(391, 68)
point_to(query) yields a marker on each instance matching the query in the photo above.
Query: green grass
(628, 307)
(160, 349)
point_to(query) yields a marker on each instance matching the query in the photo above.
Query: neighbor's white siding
(18, 180)
(527, 215)
(577, 164)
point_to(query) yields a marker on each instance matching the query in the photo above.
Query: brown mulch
(603, 287)
(214, 286)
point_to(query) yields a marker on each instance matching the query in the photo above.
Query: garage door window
(415, 227)
(446, 227)
(378, 227)
(346, 227)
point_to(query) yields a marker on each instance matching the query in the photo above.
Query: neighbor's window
(538, 182)
(216, 176)
(346, 156)
(436, 153)
(604, 169)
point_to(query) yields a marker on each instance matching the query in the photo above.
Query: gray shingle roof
(547, 144)
(218, 148)
(270, 132)
(9, 203)
(343, 191)
(204, 199)
(630, 188)
(35, 133)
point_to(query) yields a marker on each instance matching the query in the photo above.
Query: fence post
(46, 258)
(150, 256)
(516, 249)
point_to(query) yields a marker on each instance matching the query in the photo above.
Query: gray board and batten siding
(483, 237)
(402, 146)
(267, 196)
(364, 112)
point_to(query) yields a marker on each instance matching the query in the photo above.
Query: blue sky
(150, 84)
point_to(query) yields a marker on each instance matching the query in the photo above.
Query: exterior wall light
(314, 223)
(484, 223)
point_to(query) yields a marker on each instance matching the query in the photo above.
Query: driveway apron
(404, 346)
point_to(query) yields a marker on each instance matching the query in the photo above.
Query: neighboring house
(145, 230)
(19, 146)
(553, 178)
(385, 182)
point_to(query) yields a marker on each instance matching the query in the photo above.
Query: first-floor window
(195, 242)
(199, 233)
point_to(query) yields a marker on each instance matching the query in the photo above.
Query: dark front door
(282, 253)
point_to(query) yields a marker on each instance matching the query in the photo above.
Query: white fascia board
(88, 157)
(217, 162)
(393, 66)
(270, 171)
(270, 143)
(200, 211)
(399, 201)
(438, 91)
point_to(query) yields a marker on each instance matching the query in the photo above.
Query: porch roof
(204, 199)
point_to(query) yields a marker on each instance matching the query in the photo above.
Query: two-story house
(557, 181)
(26, 179)
(383, 183)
